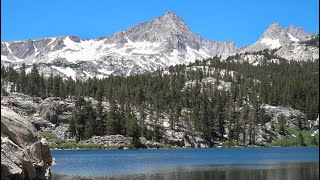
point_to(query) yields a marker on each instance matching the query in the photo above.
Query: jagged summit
(273, 29)
(274, 25)
(297, 32)
(171, 18)
(275, 36)
(170, 15)
(171, 33)
(169, 30)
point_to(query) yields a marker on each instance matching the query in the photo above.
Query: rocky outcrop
(23, 154)
(61, 131)
(184, 139)
(120, 142)
(293, 118)
(298, 52)
(195, 142)
(43, 114)
(56, 110)
(149, 144)
(21, 103)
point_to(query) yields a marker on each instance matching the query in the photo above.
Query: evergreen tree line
(203, 106)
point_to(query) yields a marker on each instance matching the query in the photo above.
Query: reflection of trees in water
(269, 171)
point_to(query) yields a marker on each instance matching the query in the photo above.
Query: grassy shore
(294, 137)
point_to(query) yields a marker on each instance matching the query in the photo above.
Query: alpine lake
(272, 163)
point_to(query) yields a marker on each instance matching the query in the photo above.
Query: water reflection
(265, 171)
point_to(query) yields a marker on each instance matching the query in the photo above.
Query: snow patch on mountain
(5, 58)
(273, 43)
(67, 71)
(104, 71)
(86, 50)
(293, 38)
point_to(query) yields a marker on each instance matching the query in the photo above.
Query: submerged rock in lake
(23, 154)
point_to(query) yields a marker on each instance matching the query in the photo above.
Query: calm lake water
(213, 163)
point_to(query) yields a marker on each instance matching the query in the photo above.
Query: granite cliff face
(23, 154)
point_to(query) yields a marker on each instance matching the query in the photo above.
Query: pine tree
(72, 125)
(132, 127)
(282, 124)
(301, 140)
(33, 82)
(56, 86)
(42, 87)
(22, 78)
(90, 117)
(78, 117)
(100, 120)
(113, 119)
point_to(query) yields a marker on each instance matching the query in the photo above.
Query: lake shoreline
(238, 147)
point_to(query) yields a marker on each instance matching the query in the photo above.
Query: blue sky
(241, 21)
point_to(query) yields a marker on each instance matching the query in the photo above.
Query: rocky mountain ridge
(275, 37)
(301, 51)
(161, 42)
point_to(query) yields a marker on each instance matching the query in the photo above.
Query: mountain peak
(275, 36)
(170, 14)
(297, 32)
(290, 26)
(171, 18)
(274, 26)
(293, 28)
(273, 31)
(169, 30)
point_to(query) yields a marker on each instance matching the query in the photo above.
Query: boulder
(18, 129)
(15, 162)
(21, 150)
(194, 142)
(149, 144)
